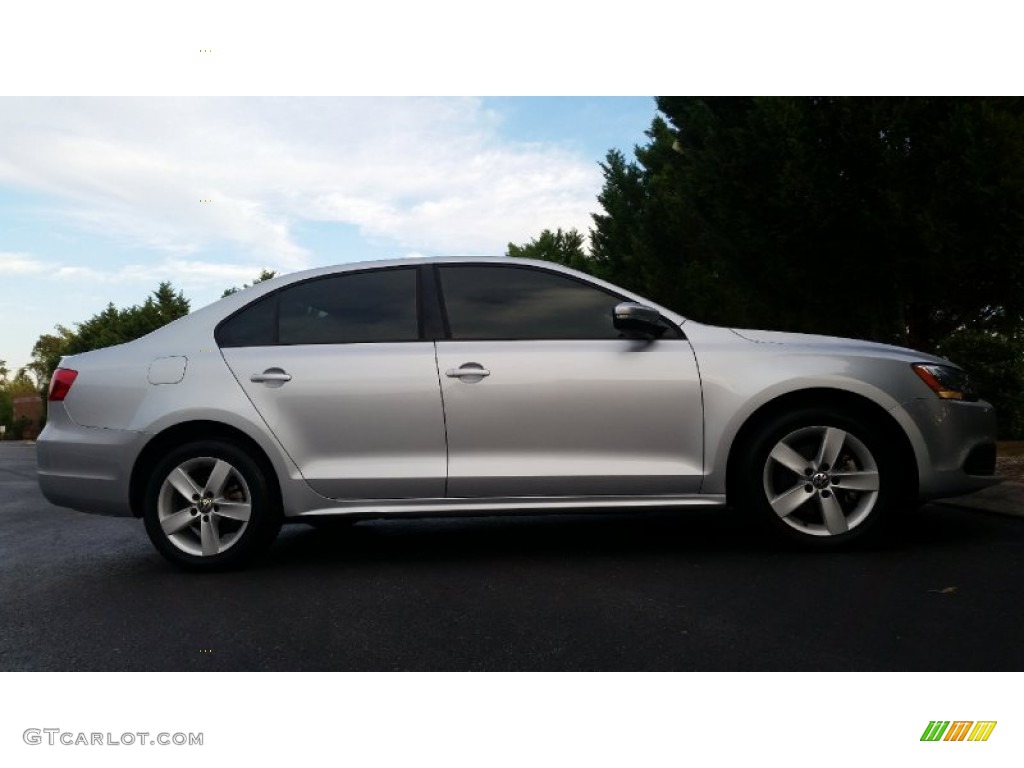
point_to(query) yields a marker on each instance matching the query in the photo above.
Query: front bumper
(955, 439)
(86, 468)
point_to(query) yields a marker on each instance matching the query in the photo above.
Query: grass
(1008, 448)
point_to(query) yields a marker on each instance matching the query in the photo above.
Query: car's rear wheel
(208, 506)
(819, 477)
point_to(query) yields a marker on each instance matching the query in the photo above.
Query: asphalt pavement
(1003, 499)
(697, 590)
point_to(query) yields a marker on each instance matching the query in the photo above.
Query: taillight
(60, 383)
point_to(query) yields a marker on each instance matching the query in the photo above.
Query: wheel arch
(849, 403)
(186, 432)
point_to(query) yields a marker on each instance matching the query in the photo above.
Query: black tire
(834, 504)
(205, 535)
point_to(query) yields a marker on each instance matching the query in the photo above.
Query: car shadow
(472, 538)
(690, 532)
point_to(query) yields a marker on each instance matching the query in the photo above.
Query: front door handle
(468, 371)
(271, 376)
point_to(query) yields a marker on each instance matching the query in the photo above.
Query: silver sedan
(480, 386)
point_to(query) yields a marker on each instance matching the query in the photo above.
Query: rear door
(543, 397)
(337, 368)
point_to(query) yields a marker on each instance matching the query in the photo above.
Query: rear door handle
(271, 375)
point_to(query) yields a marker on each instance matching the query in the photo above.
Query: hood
(836, 343)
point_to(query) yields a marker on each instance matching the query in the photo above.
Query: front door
(543, 397)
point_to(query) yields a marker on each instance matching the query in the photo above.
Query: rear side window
(365, 306)
(497, 302)
(254, 326)
(348, 308)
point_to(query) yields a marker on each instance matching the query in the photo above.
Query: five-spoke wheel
(817, 476)
(204, 506)
(208, 506)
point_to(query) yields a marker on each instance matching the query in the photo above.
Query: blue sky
(100, 198)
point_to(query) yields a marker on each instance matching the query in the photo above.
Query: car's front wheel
(208, 506)
(819, 477)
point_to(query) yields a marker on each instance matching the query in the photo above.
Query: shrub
(995, 363)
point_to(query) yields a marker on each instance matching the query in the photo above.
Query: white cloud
(21, 264)
(427, 174)
(182, 273)
(77, 273)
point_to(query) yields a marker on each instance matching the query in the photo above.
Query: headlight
(947, 382)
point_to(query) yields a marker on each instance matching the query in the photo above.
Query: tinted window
(362, 306)
(252, 327)
(522, 303)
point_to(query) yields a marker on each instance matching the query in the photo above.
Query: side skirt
(372, 508)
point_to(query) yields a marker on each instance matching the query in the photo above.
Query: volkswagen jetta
(478, 386)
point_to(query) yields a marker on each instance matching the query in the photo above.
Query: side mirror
(637, 321)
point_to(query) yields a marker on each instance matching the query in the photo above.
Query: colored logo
(959, 730)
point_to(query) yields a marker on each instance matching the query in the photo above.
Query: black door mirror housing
(637, 321)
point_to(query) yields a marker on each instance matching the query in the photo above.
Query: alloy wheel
(821, 481)
(204, 506)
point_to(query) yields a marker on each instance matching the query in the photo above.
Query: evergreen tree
(561, 247)
(898, 219)
(265, 274)
(109, 327)
(894, 219)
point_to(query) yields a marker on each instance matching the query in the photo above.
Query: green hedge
(995, 363)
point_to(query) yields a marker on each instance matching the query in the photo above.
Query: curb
(1007, 498)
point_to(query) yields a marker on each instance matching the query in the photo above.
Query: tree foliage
(894, 219)
(10, 388)
(47, 352)
(996, 365)
(558, 246)
(265, 274)
(112, 325)
(116, 326)
(107, 328)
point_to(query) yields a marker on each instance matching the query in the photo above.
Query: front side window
(341, 309)
(498, 302)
